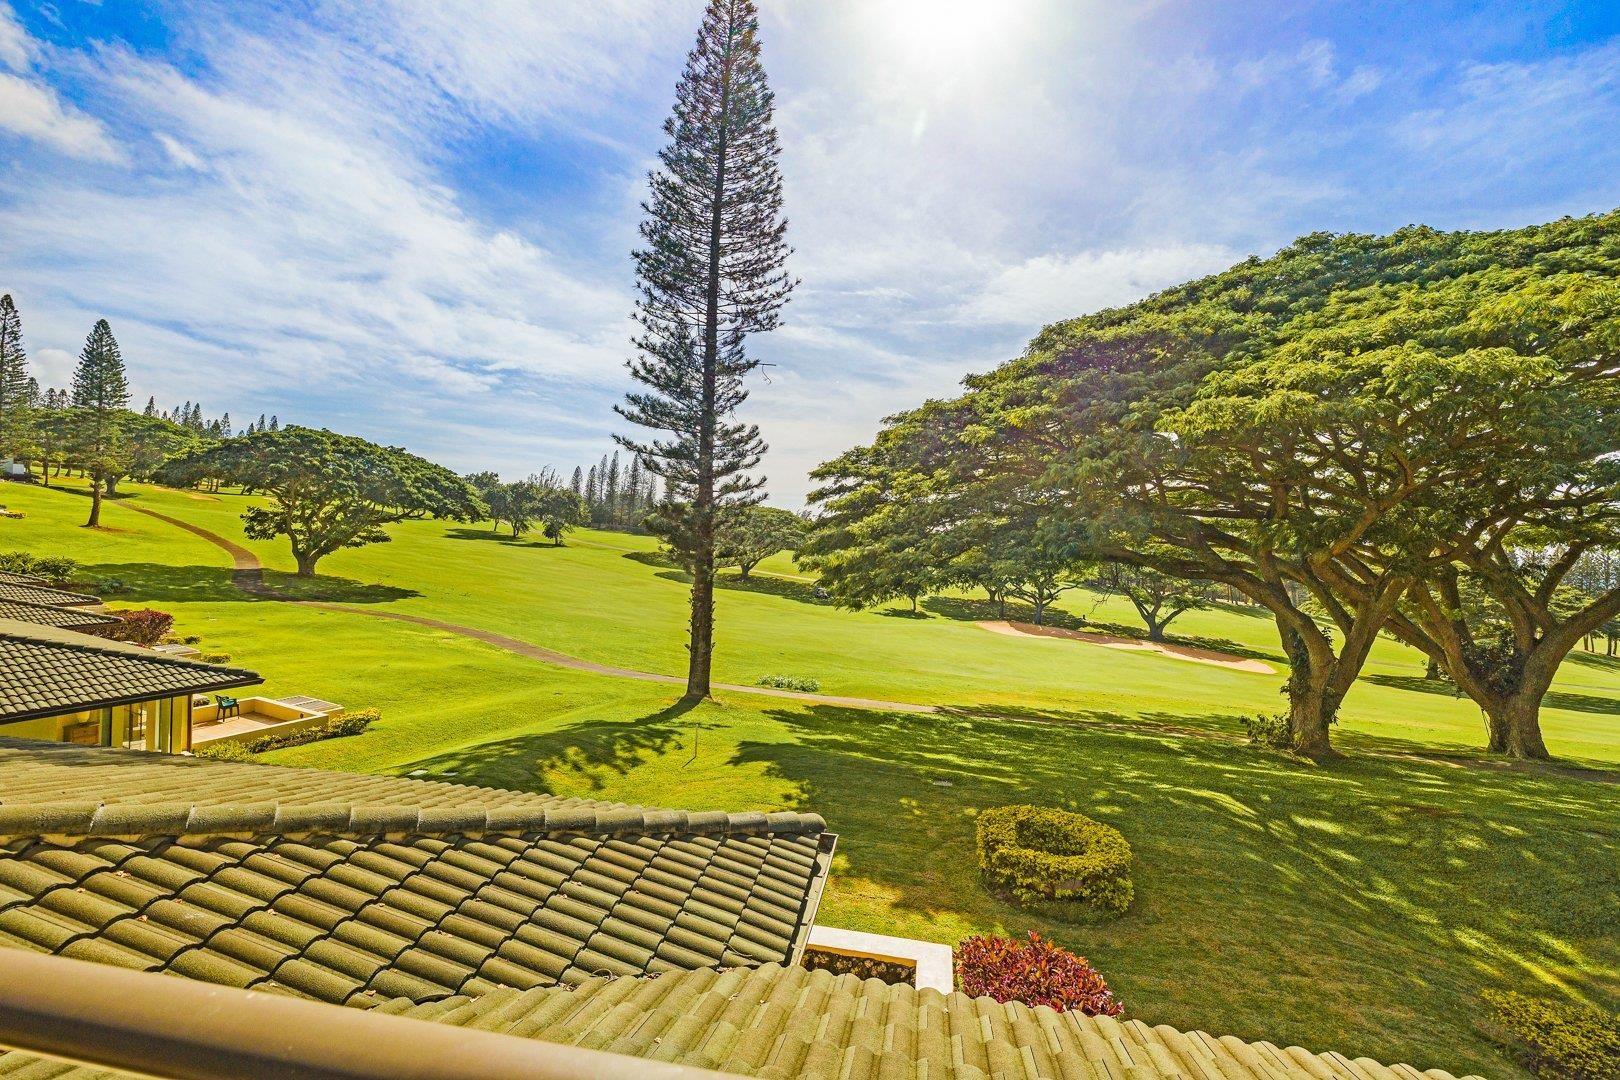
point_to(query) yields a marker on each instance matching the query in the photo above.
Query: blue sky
(411, 219)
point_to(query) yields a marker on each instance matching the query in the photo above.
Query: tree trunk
(1311, 709)
(1040, 611)
(95, 504)
(1432, 672)
(742, 571)
(110, 486)
(1155, 628)
(306, 563)
(1515, 728)
(1001, 606)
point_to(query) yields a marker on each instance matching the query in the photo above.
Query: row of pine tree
(619, 497)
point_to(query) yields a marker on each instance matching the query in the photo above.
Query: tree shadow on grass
(159, 583)
(1593, 659)
(594, 751)
(337, 590)
(1555, 699)
(531, 540)
(1251, 868)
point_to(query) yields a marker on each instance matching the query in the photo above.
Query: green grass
(1360, 907)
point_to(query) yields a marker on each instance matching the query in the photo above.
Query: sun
(938, 33)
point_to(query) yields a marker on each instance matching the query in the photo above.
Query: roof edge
(82, 820)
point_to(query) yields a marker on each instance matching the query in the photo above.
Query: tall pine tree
(100, 393)
(710, 273)
(16, 399)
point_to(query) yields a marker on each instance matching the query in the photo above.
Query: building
(61, 686)
(369, 926)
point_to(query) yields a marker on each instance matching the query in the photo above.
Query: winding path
(247, 575)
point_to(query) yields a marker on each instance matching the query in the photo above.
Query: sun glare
(941, 32)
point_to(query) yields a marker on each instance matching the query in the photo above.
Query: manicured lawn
(1360, 907)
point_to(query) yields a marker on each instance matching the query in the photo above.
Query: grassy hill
(1360, 907)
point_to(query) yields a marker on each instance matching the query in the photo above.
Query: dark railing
(178, 1029)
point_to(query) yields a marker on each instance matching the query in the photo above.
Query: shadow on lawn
(1555, 699)
(1252, 868)
(533, 540)
(157, 583)
(595, 750)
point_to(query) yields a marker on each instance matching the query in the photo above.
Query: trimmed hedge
(351, 723)
(1040, 854)
(1558, 1039)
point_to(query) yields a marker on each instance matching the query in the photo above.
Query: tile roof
(406, 888)
(51, 616)
(46, 670)
(64, 618)
(38, 593)
(21, 579)
(784, 1022)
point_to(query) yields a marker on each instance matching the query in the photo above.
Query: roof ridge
(134, 820)
(70, 639)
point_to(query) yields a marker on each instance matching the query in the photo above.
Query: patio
(256, 717)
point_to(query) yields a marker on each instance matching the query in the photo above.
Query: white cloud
(16, 47)
(179, 153)
(33, 111)
(1051, 287)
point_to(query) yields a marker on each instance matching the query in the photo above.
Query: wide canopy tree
(330, 491)
(751, 534)
(1326, 431)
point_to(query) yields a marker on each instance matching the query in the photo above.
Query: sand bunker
(1114, 641)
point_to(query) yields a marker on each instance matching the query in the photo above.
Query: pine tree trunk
(95, 503)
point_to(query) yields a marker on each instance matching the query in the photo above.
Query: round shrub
(1035, 972)
(1042, 855)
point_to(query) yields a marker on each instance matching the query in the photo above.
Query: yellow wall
(162, 724)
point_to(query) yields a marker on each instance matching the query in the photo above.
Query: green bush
(1041, 855)
(56, 569)
(214, 657)
(348, 724)
(790, 682)
(1558, 1039)
(225, 750)
(1271, 730)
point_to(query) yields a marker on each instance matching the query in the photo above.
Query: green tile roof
(45, 671)
(30, 592)
(63, 618)
(261, 879)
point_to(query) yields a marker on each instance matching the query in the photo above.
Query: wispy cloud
(412, 219)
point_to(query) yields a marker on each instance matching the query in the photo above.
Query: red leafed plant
(142, 627)
(1035, 972)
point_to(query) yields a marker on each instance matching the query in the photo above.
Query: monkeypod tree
(330, 491)
(752, 534)
(709, 274)
(1159, 599)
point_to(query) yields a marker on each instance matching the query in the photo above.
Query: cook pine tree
(100, 393)
(710, 273)
(16, 395)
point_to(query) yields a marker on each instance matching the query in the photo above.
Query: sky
(412, 219)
